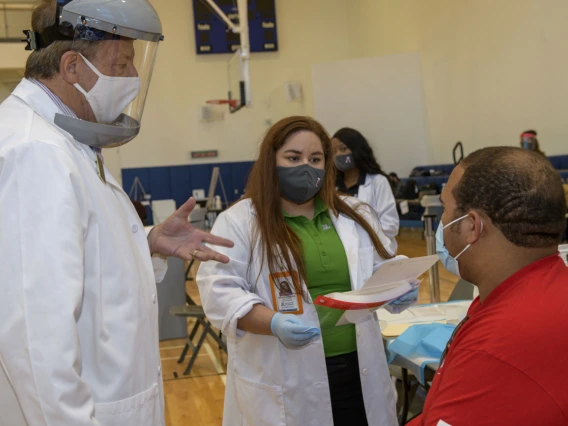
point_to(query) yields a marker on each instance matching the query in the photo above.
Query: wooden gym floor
(197, 399)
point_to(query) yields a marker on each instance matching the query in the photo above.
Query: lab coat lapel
(349, 236)
(364, 192)
(112, 181)
(36, 98)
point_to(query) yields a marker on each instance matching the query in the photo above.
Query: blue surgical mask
(449, 262)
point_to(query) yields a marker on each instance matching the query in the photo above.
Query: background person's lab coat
(377, 192)
(78, 304)
(268, 384)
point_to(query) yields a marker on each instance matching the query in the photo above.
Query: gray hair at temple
(44, 64)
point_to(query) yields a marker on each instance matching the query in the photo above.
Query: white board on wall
(380, 97)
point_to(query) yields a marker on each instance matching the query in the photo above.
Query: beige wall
(13, 55)
(491, 68)
(182, 81)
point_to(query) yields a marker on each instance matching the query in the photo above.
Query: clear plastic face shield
(528, 141)
(116, 42)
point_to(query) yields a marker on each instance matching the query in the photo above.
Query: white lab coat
(268, 384)
(78, 305)
(378, 194)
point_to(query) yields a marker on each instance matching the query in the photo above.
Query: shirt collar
(65, 110)
(341, 184)
(528, 273)
(319, 208)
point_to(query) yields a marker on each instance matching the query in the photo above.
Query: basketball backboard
(238, 91)
(239, 83)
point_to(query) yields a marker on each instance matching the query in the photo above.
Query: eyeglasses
(454, 334)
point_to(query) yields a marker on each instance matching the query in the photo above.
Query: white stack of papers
(446, 313)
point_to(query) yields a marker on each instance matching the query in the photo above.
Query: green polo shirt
(327, 272)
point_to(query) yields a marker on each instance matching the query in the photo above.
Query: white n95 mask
(450, 263)
(110, 95)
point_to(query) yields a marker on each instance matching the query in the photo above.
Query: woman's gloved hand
(403, 302)
(292, 332)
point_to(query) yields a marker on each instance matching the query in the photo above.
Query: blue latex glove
(401, 303)
(292, 332)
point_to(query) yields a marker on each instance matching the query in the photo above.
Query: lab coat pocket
(140, 409)
(366, 263)
(261, 404)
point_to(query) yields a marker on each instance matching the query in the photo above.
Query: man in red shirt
(506, 363)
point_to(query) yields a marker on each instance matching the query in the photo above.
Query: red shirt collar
(521, 275)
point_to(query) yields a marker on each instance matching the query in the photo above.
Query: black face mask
(344, 163)
(300, 184)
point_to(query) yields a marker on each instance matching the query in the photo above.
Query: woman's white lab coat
(78, 304)
(378, 194)
(268, 384)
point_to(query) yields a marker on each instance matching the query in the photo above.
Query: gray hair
(44, 63)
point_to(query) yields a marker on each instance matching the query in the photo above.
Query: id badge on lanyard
(284, 298)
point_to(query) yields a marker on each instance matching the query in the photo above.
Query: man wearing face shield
(503, 218)
(78, 305)
(530, 142)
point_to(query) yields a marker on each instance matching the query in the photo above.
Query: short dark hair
(518, 190)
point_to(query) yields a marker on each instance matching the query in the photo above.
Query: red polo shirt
(508, 364)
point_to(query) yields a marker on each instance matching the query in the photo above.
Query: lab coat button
(365, 371)
(358, 331)
(154, 298)
(159, 370)
(134, 228)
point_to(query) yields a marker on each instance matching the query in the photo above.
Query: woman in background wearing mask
(361, 176)
(530, 142)
(293, 227)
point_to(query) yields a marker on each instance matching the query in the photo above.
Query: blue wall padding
(160, 183)
(180, 179)
(178, 182)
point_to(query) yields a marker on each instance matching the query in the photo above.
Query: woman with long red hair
(295, 239)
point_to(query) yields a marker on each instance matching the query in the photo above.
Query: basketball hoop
(231, 102)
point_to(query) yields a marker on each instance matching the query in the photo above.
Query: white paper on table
(413, 314)
(447, 313)
(406, 269)
(393, 279)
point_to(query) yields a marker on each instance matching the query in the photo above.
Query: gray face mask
(300, 184)
(344, 163)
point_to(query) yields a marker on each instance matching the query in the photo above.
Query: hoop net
(231, 102)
